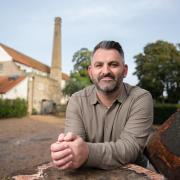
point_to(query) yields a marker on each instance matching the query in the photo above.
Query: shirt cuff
(94, 157)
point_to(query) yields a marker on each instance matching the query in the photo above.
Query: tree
(79, 76)
(158, 70)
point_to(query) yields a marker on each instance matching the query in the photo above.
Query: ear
(125, 70)
(89, 71)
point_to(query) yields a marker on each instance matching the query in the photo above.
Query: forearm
(73, 122)
(109, 155)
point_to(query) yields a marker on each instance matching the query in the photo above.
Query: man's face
(107, 70)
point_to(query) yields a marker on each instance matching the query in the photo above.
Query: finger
(57, 146)
(68, 165)
(70, 137)
(61, 154)
(61, 137)
(63, 161)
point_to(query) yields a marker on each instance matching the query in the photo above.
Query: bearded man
(108, 123)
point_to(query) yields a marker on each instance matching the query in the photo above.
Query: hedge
(163, 111)
(13, 108)
(18, 108)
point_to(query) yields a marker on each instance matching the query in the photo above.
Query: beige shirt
(115, 135)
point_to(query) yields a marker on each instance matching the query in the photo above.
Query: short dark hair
(109, 45)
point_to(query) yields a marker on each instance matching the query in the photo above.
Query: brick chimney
(56, 71)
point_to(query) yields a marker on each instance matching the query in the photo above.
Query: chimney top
(57, 19)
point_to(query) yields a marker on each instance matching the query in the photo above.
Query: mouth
(106, 79)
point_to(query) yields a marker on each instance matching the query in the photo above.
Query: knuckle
(55, 146)
(58, 163)
(52, 147)
(55, 163)
(71, 134)
(61, 136)
(53, 156)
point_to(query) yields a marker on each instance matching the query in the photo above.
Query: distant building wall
(42, 89)
(28, 69)
(4, 56)
(9, 68)
(39, 88)
(18, 91)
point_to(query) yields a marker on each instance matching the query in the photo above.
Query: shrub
(13, 108)
(34, 111)
(163, 111)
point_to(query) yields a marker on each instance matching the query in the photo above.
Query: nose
(105, 69)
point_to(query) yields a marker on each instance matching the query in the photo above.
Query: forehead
(106, 54)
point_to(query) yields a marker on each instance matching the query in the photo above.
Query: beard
(107, 86)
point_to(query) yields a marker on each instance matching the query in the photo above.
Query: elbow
(128, 154)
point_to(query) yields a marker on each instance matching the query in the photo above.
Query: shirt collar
(123, 93)
(93, 96)
(122, 96)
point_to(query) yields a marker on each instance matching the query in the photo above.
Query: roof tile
(28, 61)
(7, 83)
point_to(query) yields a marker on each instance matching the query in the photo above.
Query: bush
(34, 111)
(163, 111)
(13, 108)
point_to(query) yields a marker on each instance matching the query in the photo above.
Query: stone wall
(42, 89)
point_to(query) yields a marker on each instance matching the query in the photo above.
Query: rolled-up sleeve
(74, 122)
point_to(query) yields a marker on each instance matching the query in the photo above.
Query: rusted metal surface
(129, 172)
(164, 148)
(171, 136)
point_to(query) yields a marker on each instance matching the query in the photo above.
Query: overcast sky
(28, 26)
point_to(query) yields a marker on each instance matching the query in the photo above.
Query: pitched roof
(26, 60)
(7, 83)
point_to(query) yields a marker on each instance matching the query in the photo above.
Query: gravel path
(25, 143)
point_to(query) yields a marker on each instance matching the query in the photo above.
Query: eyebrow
(112, 61)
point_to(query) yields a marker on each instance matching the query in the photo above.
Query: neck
(107, 99)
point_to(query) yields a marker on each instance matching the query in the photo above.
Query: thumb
(70, 137)
(61, 137)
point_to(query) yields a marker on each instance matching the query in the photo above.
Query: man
(107, 124)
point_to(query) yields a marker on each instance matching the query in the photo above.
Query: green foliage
(82, 59)
(34, 111)
(13, 108)
(163, 111)
(158, 70)
(72, 86)
(79, 76)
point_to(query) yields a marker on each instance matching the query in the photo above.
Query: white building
(24, 77)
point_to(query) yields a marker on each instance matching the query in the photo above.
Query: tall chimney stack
(56, 71)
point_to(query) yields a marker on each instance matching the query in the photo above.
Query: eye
(98, 65)
(114, 64)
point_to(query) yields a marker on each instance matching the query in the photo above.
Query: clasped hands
(69, 152)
